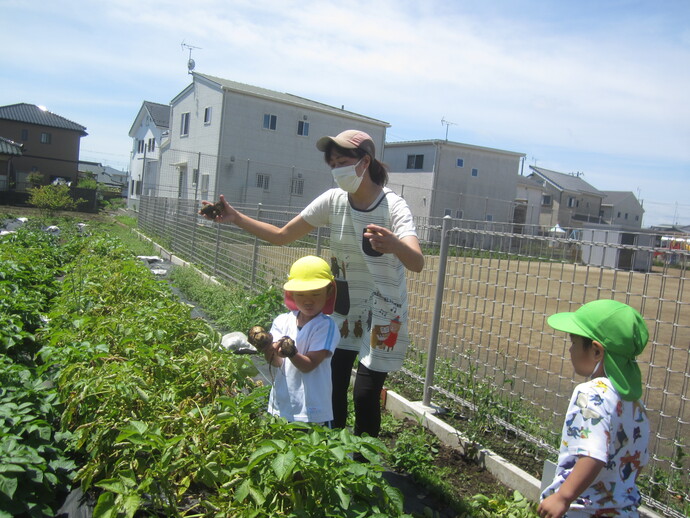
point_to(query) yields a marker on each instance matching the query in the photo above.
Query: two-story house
(251, 144)
(622, 209)
(439, 178)
(149, 130)
(567, 199)
(50, 144)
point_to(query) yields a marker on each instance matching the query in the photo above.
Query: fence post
(438, 305)
(318, 242)
(215, 257)
(255, 251)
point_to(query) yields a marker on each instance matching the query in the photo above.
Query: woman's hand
(407, 249)
(382, 240)
(227, 213)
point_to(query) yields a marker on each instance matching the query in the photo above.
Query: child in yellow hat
(302, 387)
(606, 431)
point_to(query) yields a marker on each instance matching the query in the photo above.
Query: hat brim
(567, 323)
(323, 142)
(302, 285)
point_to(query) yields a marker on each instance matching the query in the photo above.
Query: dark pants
(366, 393)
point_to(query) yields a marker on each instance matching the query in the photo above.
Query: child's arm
(580, 478)
(272, 355)
(308, 362)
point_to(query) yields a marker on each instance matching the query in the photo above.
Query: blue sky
(597, 87)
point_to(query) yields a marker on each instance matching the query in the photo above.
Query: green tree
(35, 179)
(52, 198)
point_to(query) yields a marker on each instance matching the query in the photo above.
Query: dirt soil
(465, 476)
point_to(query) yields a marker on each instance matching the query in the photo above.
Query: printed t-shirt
(374, 322)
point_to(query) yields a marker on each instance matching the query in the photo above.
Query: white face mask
(347, 178)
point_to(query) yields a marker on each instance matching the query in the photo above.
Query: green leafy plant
(52, 198)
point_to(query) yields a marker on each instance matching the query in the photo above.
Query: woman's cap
(307, 274)
(622, 332)
(349, 139)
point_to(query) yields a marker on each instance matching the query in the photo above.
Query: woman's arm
(296, 228)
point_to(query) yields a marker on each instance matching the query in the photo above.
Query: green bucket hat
(622, 332)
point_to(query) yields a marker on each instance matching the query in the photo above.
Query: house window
(460, 162)
(207, 115)
(489, 217)
(184, 124)
(195, 177)
(458, 214)
(546, 200)
(303, 128)
(152, 144)
(626, 216)
(619, 215)
(140, 146)
(45, 138)
(447, 212)
(262, 181)
(297, 186)
(571, 202)
(637, 218)
(270, 121)
(25, 135)
(475, 172)
(415, 161)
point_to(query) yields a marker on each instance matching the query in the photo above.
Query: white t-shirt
(375, 324)
(304, 396)
(601, 425)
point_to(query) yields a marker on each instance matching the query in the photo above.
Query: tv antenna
(190, 63)
(446, 124)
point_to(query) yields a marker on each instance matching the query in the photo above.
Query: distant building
(567, 200)
(106, 176)
(9, 150)
(439, 178)
(528, 201)
(50, 144)
(149, 130)
(250, 144)
(622, 209)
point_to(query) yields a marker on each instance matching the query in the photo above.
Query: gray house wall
(454, 189)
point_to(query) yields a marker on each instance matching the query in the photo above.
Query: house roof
(256, 91)
(565, 182)
(616, 197)
(434, 142)
(10, 147)
(32, 114)
(160, 113)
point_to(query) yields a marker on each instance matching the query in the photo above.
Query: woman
(373, 241)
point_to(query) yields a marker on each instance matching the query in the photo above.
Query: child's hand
(553, 506)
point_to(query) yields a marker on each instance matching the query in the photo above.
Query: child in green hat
(606, 431)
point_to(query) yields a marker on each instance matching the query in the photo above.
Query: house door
(182, 183)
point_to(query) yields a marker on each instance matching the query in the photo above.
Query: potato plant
(158, 419)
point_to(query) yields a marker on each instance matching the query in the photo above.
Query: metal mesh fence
(493, 344)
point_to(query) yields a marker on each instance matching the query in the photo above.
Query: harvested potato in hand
(259, 338)
(287, 347)
(212, 210)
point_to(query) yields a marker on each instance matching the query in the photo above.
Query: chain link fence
(497, 289)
